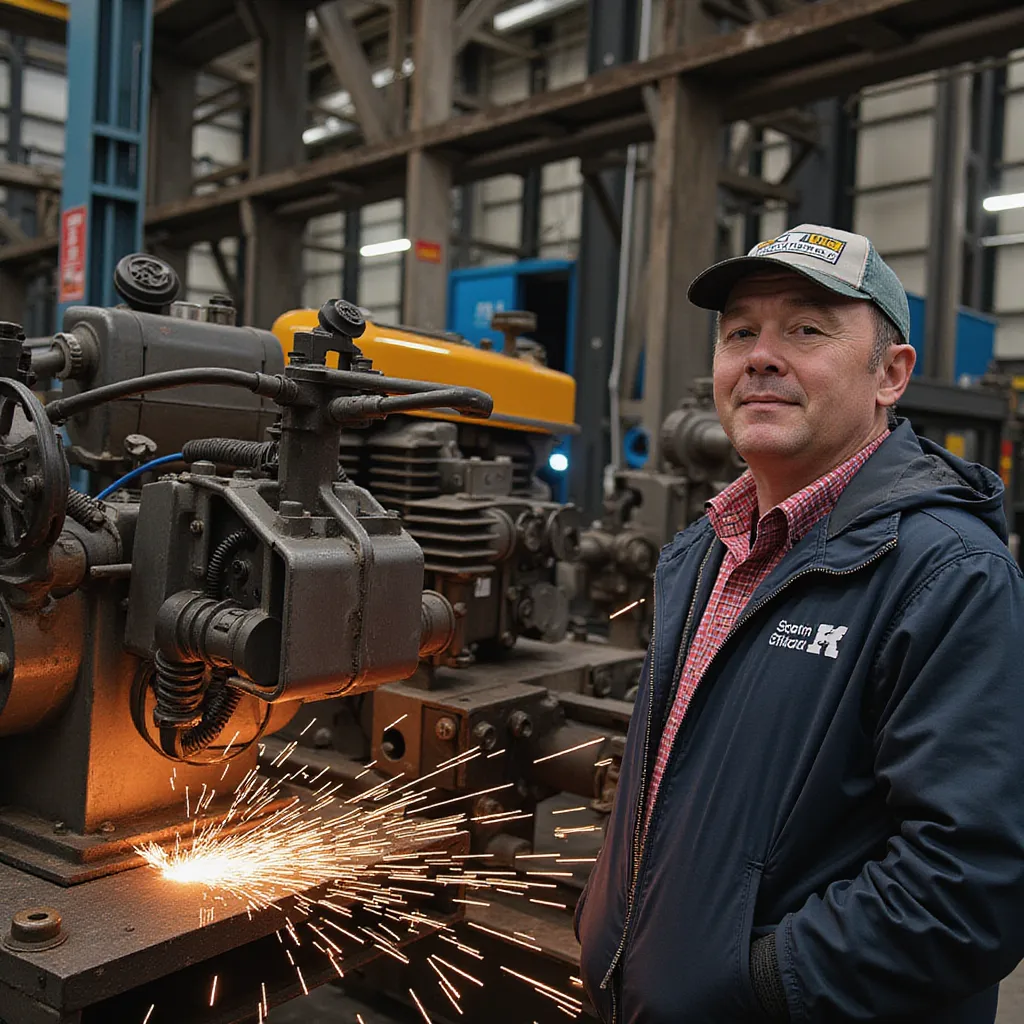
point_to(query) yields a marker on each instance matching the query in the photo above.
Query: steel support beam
(987, 146)
(21, 203)
(826, 176)
(348, 61)
(350, 268)
(530, 201)
(13, 293)
(684, 196)
(170, 145)
(104, 183)
(611, 41)
(273, 245)
(398, 42)
(947, 222)
(428, 199)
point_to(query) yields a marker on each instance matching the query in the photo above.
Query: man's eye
(740, 334)
(807, 330)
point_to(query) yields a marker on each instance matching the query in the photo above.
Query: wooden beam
(40, 179)
(473, 17)
(753, 187)
(348, 61)
(789, 60)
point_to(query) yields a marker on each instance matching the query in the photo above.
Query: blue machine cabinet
(975, 341)
(544, 287)
(103, 201)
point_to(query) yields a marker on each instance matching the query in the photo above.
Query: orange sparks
(149, 1013)
(572, 750)
(419, 1006)
(213, 991)
(627, 608)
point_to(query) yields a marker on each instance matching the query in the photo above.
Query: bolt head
(445, 729)
(35, 924)
(486, 735)
(5, 664)
(106, 827)
(195, 527)
(59, 828)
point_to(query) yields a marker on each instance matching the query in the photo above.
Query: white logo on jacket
(797, 636)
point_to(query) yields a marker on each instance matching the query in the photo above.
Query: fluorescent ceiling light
(996, 204)
(328, 130)
(529, 13)
(386, 248)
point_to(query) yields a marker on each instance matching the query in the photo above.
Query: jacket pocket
(745, 936)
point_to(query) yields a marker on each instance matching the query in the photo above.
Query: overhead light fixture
(386, 248)
(527, 14)
(996, 204)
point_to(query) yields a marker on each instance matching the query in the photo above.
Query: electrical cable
(137, 472)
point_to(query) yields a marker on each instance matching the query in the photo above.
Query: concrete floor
(1011, 999)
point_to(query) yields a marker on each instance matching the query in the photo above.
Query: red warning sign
(72, 254)
(428, 252)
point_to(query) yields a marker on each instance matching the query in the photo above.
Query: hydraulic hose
(279, 389)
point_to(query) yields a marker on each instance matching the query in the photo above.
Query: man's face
(791, 373)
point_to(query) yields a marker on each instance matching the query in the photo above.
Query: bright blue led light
(559, 462)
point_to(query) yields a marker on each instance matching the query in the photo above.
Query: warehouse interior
(511, 197)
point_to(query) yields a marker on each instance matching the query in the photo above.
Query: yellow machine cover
(526, 396)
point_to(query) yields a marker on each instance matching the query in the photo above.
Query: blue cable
(137, 472)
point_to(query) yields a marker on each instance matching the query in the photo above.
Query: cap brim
(711, 289)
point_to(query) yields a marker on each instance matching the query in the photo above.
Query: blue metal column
(104, 195)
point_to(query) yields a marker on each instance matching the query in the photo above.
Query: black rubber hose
(226, 451)
(219, 703)
(85, 511)
(220, 559)
(279, 389)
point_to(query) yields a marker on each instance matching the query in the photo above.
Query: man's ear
(899, 365)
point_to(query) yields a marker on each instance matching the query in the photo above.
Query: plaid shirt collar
(732, 513)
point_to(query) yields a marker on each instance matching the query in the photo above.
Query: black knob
(146, 283)
(340, 317)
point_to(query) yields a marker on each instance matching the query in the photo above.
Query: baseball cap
(840, 261)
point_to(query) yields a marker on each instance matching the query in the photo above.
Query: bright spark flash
(367, 853)
(628, 608)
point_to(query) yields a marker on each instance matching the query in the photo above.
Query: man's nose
(766, 357)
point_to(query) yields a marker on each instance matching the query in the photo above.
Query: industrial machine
(148, 643)
(469, 493)
(644, 511)
(233, 581)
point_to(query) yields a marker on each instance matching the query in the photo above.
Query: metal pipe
(47, 362)
(625, 265)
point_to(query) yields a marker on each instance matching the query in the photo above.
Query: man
(820, 815)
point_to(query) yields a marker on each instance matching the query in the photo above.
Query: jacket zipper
(637, 847)
(639, 833)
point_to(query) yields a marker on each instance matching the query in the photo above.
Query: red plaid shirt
(744, 569)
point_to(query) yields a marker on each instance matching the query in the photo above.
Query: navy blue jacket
(849, 776)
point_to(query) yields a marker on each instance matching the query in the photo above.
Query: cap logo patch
(821, 247)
